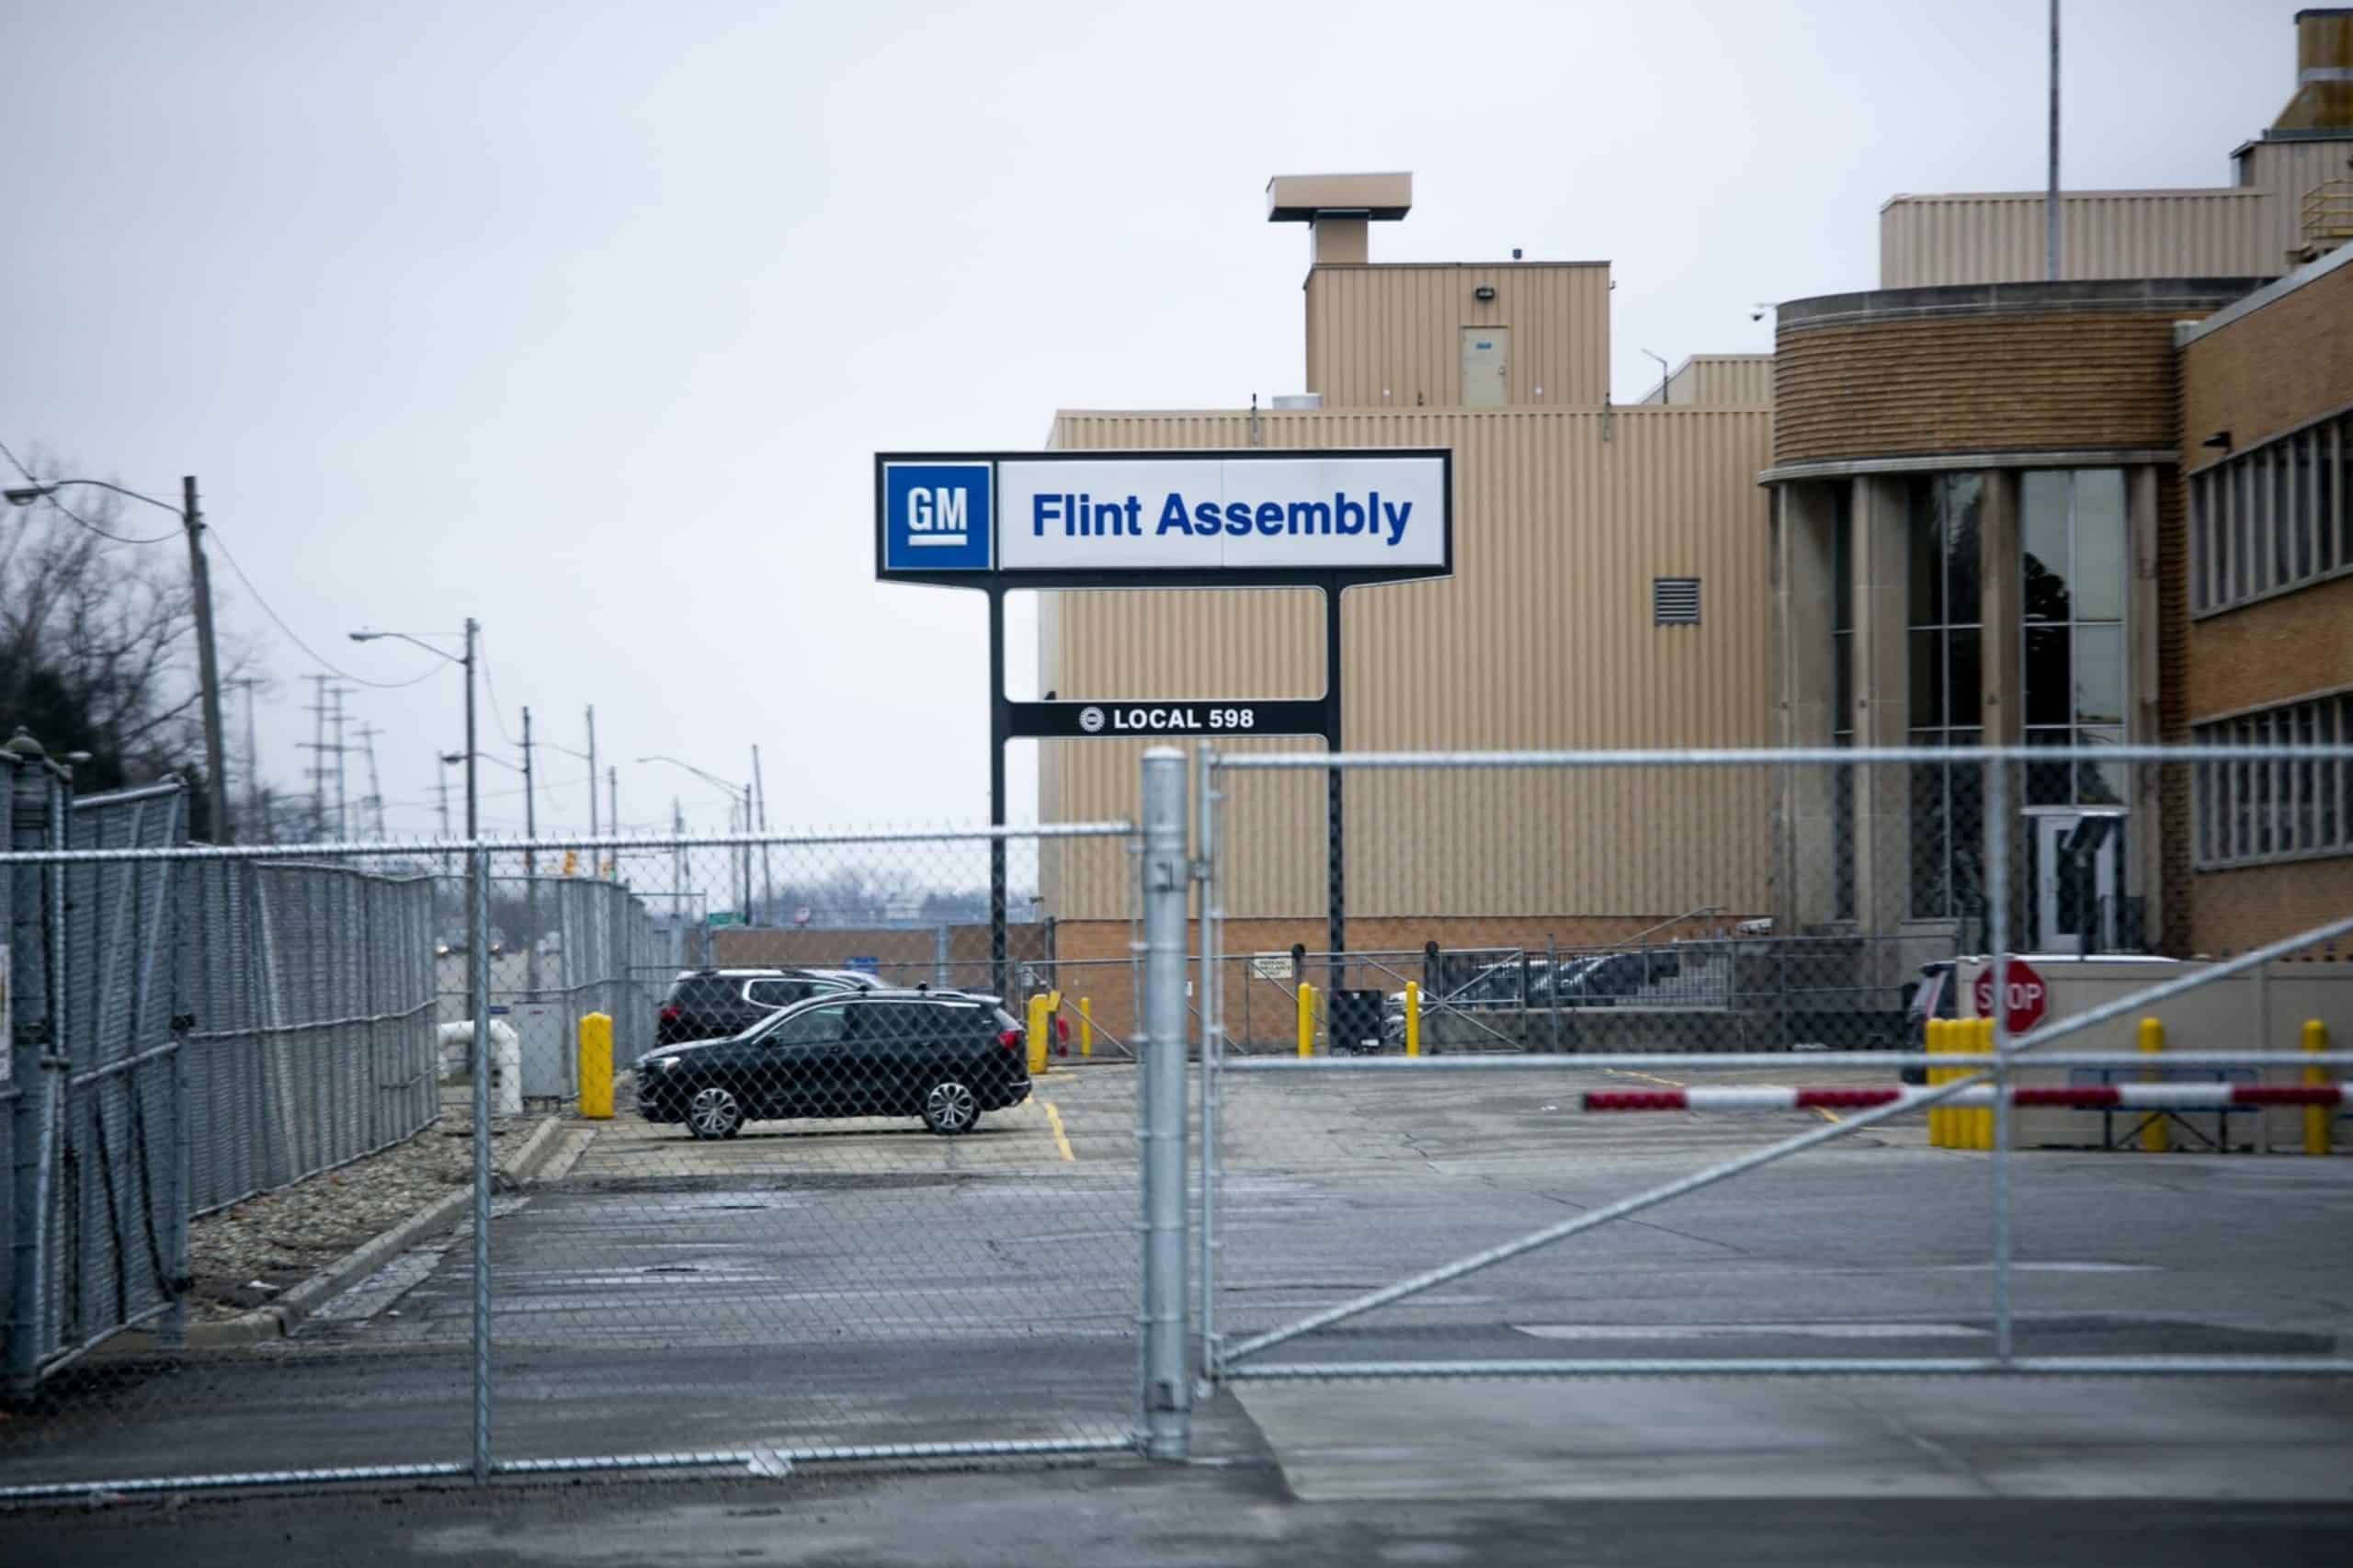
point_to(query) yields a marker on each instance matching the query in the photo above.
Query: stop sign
(2023, 996)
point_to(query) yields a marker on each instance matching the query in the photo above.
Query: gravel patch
(246, 1256)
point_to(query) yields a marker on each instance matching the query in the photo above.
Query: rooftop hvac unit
(1297, 403)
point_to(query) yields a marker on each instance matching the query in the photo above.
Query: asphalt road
(861, 1282)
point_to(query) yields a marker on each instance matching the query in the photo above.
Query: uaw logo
(938, 516)
(1090, 719)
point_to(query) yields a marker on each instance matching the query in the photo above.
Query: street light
(478, 997)
(732, 793)
(208, 658)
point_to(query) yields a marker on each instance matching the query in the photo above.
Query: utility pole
(2050, 205)
(592, 781)
(342, 796)
(441, 761)
(613, 813)
(531, 870)
(208, 661)
(678, 879)
(767, 874)
(374, 799)
(318, 747)
(256, 805)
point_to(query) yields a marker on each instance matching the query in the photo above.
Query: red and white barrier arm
(2092, 1096)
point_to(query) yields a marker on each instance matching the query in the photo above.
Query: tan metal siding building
(1717, 380)
(1542, 638)
(1392, 335)
(1997, 238)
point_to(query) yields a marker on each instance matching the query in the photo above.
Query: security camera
(1757, 315)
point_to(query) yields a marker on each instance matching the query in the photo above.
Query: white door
(1486, 355)
(2077, 854)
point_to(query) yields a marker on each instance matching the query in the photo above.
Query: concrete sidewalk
(1235, 1505)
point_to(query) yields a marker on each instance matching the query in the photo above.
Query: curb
(287, 1313)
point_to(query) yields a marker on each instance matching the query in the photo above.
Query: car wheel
(714, 1112)
(950, 1107)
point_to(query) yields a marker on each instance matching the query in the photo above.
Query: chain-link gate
(1831, 912)
(745, 1198)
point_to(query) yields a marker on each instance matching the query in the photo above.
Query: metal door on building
(1486, 356)
(2076, 858)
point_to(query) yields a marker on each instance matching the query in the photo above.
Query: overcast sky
(585, 318)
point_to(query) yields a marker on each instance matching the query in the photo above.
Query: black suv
(716, 1003)
(945, 1056)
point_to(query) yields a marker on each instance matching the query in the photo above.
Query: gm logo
(936, 516)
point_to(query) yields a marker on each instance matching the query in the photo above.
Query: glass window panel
(2241, 491)
(1930, 845)
(2282, 477)
(2299, 505)
(2042, 507)
(2307, 779)
(2046, 676)
(2325, 526)
(1927, 675)
(1842, 684)
(2099, 675)
(2201, 545)
(1965, 682)
(2331, 776)
(1964, 504)
(2202, 805)
(2100, 783)
(2100, 569)
(2266, 825)
(1924, 562)
(2046, 782)
(1842, 558)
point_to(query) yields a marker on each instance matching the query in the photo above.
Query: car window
(780, 993)
(818, 1026)
(704, 990)
(893, 1020)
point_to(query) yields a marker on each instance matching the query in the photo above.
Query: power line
(481, 657)
(317, 657)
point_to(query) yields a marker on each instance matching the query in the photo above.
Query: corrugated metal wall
(1719, 380)
(1390, 335)
(2286, 172)
(1928, 240)
(1542, 638)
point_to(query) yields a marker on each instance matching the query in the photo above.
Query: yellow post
(1306, 1019)
(1939, 1116)
(1086, 1026)
(1413, 1018)
(1981, 1118)
(1053, 1022)
(2153, 1040)
(596, 1067)
(2316, 1116)
(1039, 1022)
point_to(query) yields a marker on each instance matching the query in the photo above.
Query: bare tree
(97, 640)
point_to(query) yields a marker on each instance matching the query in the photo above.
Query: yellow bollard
(1039, 1022)
(1055, 1030)
(1940, 1136)
(1086, 1026)
(596, 1067)
(1413, 1018)
(2153, 1133)
(2316, 1116)
(1306, 1019)
(1981, 1120)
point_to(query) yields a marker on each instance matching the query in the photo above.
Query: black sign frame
(1010, 719)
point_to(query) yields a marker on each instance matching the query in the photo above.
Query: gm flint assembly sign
(1189, 518)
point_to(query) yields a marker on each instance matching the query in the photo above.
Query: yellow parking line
(1630, 1073)
(1061, 1139)
(1827, 1114)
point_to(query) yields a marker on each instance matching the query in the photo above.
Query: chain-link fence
(1576, 984)
(489, 1158)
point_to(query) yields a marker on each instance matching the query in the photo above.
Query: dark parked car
(715, 1004)
(945, 1056)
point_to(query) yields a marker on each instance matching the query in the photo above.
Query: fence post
(1996, 1036)
(1167, 878)
(478, 972)
(1212, 1037)
(2316, 1118)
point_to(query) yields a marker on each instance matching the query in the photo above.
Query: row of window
(2264, 810)
(2272, 516)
